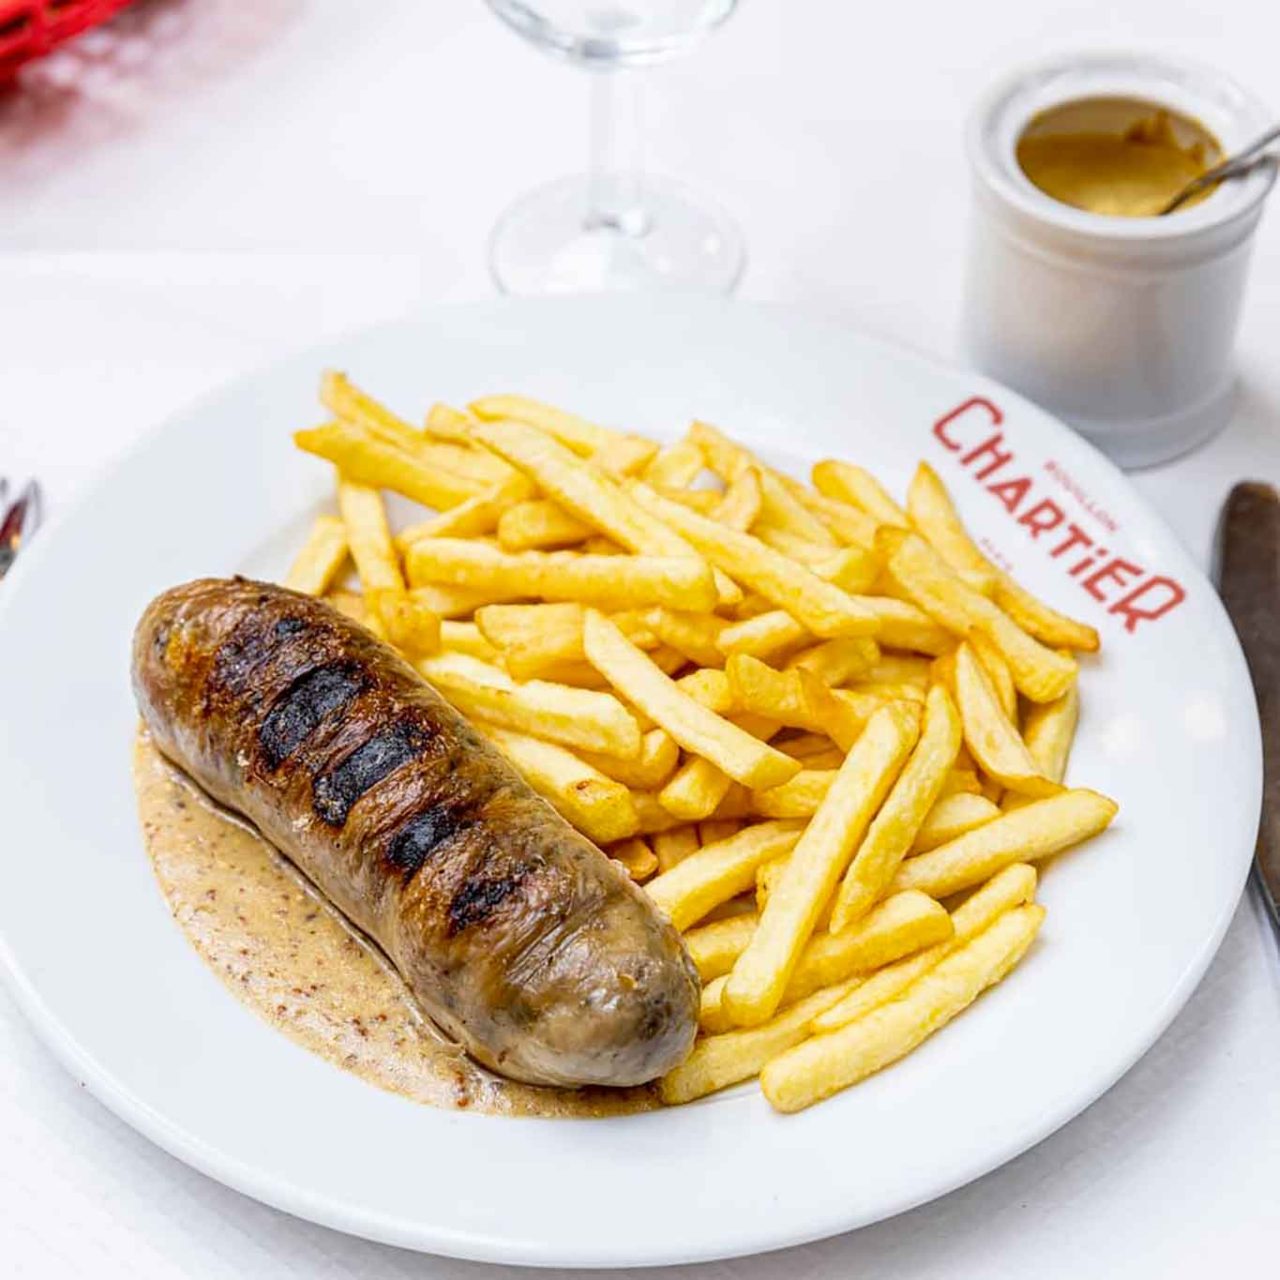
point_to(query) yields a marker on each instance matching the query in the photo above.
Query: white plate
(1169, 728)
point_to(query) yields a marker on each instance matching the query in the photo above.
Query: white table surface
(216, 182)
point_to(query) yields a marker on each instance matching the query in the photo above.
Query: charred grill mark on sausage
(311, 699)
(480, 895)
(422, 835)
(338, 788)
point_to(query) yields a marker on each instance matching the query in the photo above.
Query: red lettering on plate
(1121, 572)
(1168, 596)
(989, 448)
(969, 433)
(975, 402)
(1011, 492)
(1045, 515)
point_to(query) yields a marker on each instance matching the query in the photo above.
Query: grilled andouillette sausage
(515, 934)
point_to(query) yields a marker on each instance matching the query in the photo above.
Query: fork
(18, 521)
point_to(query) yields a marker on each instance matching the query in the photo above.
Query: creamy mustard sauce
(1130, 173)
(282, 950)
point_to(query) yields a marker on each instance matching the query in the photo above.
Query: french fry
(714, 947)
(740, 504)
(473, 518)
(636, 858)
(990, 735)
(381, 465)
(932, 513)
(693, 634)
(766, 635)
(781, 508)
(350, 603)
(935, 516)
(675, 466)
(695, 790)
(899, 926)
(826, 1064)
(847, 483)
(788, 544)
(465, 637)
(653, 817)
(598, 806)
(321, 558)
(805, 745)
(801, 797)
(1049, 732)
(444, 418)
(459, 602)
(904, 691)
(713, 830)
(610, 580)
(571, 717)
(820, 606)
(1040, 673)
(626, 456)
(894, 829)
(851, 525)
(369, 537)
(674, 846)
(724, 456)
(1027, 834)
(952, 816)
(410, 623)
(704, 501)
(795, 697)
(1037, 619)
(901, 625)
(539, 524)
(710, 688)
(1010, 888)
(756, 985)
(581, 436)
(731, 749)
(719, 1061)
(592, 496)
(719, 872)
(997, 670)
(651, 768)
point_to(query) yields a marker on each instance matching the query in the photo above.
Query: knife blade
(1248, 576)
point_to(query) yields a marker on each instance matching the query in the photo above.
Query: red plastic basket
(30, 28)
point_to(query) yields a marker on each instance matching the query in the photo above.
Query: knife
(1248, 575)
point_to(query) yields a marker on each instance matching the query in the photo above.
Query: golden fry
(990, 735)
(894, 829)
(598, 806)
(636, 857)
(1040, 673)
(823, 608)
(1010, 888)
(610, 580)
(714, 947)
(766, 635)
(692, 634)
(539, 524)
(1027, 834)
(321, 558)
(675, 466)
(931, 511)
(369, 537)
(846, 483)
(580, 435)
(572, 717)
(997, 670)
(674, 846)
(729, 748)
(826, 1064)
(651, 768)
(760, 977)
(719, 872)
(952, 816)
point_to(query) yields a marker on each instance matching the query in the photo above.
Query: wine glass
(615, 228)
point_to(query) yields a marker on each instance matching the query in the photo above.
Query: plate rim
(320, 1208)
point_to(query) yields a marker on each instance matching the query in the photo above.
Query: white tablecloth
(228, 180)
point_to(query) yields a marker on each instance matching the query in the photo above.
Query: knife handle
(1248, 571)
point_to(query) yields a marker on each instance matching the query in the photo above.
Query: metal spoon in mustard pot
(1235, 166)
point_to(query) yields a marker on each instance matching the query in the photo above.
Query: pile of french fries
(823, 730)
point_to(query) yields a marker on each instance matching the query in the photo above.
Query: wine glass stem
(617, 171)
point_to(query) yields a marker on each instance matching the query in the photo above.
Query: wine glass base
(544, 243)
